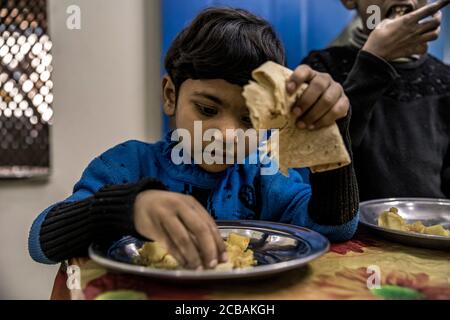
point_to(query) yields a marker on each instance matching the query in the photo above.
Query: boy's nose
(226, 127)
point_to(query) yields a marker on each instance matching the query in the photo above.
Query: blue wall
(446, 35)
(303, 25)
(298, 22)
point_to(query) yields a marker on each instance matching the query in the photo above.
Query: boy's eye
(246, 120)
(207, 111)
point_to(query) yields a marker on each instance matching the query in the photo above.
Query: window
(26, 96)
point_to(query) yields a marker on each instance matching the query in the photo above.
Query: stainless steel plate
(429, 211)
(277, 248)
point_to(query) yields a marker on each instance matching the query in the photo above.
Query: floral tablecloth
(366, 268)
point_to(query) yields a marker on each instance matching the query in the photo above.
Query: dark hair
(222, 43)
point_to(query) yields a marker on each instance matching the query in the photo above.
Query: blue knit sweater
(240, 192)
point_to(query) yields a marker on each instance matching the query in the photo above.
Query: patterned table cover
(345, 272)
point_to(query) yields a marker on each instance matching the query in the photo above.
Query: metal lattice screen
(25, 89)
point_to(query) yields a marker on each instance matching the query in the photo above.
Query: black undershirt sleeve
(69, 228)
(335, 196)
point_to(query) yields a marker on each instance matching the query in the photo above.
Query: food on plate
(153, 254)
(238, 253)
(270, 108)
(392, 220)
(437, 230)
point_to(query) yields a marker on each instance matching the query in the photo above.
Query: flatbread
(270, 108)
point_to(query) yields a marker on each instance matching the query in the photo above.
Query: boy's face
(216, 103)
(387, 7)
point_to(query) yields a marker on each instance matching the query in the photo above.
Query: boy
(400, 127)
(135, 188)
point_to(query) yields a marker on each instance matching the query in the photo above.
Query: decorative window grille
(26, 96)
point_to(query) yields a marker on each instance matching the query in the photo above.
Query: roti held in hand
(270, 108)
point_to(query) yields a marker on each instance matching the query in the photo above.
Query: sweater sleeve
(335, 196)
(328, 205)
(99, 208)
(369, 78)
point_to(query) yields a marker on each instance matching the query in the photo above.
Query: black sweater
(400, 126)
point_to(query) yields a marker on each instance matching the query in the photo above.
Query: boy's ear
(350, 4)
(169, 96)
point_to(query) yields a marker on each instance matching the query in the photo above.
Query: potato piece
(436, 230)
(394, 210)
(416, 227)
(170, 262)
(245, 260)
(391, 220)
(225, 266)
(233, 252)
(152, 252)
(238, 240)
(237, 251)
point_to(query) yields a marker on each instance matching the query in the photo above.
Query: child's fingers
(197, 220)
(302, 74)
(183, 241)
(213, 227)
(173, 250)
(220, 244)
(426, 11)
(312, 94)
(325, 103)
(164, 237)
(206, 244)
(222, 250)
(339, 111)
(158, 233)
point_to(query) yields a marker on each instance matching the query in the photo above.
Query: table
(366, 268)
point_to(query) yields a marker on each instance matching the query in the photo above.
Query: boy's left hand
(322, 103)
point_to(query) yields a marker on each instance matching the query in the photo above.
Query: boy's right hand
(182, 224)
(405, 36)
